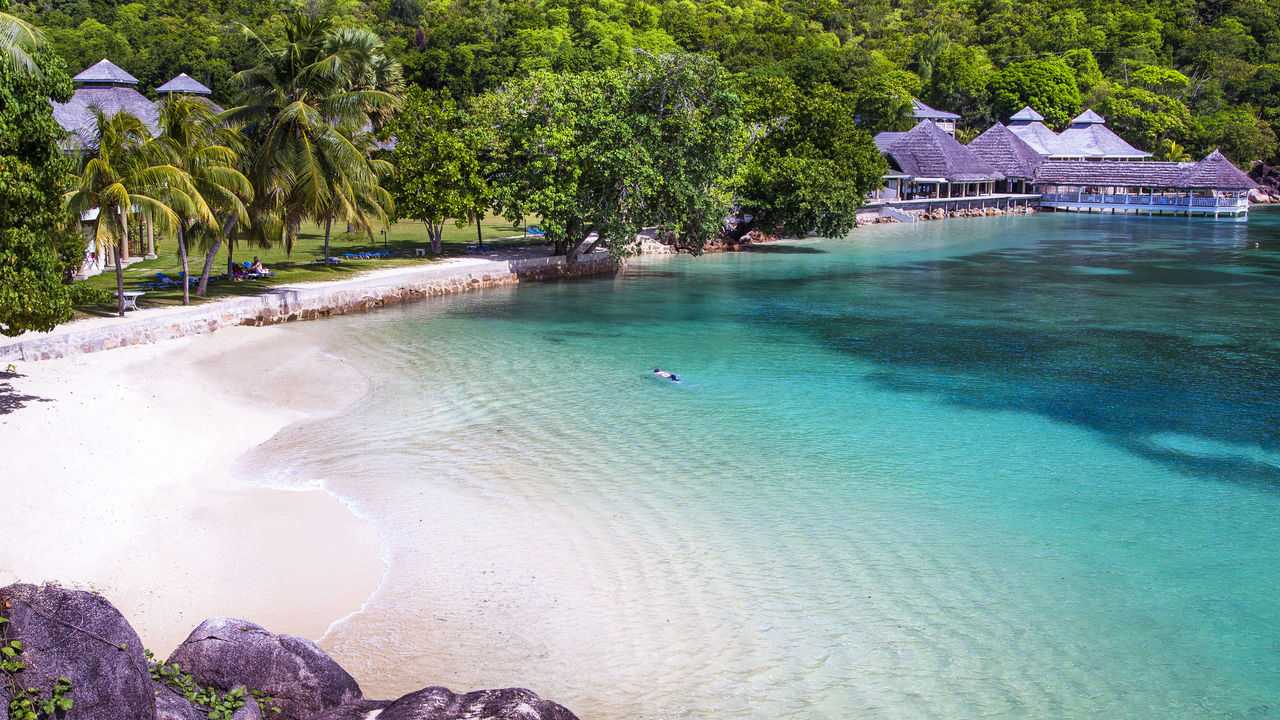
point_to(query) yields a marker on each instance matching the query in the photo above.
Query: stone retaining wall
(294, 302)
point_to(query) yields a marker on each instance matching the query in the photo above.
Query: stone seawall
(287, 303)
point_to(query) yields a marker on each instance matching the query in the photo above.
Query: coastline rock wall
(296, 302)
(82, 637)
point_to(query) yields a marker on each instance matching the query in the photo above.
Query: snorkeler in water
(664, 374)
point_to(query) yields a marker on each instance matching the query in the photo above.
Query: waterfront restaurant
(1213, 186)
(926, 162)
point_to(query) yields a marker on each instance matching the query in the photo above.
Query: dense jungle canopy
(1171, 76)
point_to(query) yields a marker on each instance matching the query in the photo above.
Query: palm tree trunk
(209, 257)
(327, 224)
(186, 271)
(115, 250)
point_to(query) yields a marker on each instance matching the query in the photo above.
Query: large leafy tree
(608, 153)
(1047, 85)
(438, 173)
(198, 142)
(124, 178)
(559, 148)
(809, 166)
(36, 254)
(305, 107)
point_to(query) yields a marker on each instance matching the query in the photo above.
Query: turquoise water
(1008, 467)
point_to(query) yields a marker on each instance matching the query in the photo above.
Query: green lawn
(301, 266)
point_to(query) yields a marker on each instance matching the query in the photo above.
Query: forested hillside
(1195, 73)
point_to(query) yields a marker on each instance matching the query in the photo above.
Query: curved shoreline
(119, 480)
(302, 301)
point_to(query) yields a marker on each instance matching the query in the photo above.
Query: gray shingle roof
(105, 72)
(1026, 114)
(76, 116)
(1094, 140)
(1088, 117)
(1111, 172)
(923, 112)
(927, 151)
(184, 84)
(885, 139)
(1006, 152)
(1036, 134)
(1215, 171)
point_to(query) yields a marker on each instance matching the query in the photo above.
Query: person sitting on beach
(664, 374)
(237, 271)
(257, 267)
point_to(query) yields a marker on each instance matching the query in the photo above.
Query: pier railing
(1163, 201)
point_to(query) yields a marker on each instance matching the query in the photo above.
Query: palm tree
(306, 106)
(1171, 151)
(18, 39)
(121, 179)
(195, 140)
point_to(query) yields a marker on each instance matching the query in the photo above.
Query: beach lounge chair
(166, 281)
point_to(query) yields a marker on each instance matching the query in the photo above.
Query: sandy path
(114, 476)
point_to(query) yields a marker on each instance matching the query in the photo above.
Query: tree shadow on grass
(11, 399)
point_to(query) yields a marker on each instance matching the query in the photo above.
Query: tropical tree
(198, 142)
(18, 43)
(809, 166)
(39, 251)
(1047, 85)
(305, 104)
(123, 178)
(438, 173)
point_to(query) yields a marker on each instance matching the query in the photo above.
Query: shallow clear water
(1008, 467)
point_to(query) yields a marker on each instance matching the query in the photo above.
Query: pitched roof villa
(106, 87)
(109, 88)
(1085, 168)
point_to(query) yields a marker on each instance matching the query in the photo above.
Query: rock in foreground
(82, 637)
(225, 652)
(437, 703)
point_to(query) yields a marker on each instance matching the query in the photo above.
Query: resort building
(1011, 155)
(1212, 186)
(108, 88)
(927, 162)
(944, 120)
(1085, 168)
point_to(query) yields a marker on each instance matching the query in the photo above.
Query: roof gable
(105, 72)
(1093, 140)
(1000, 148)
(927, 151)
(1215, 171)
(183, 83)
(923, 112)
(1088, 117)
(1037, 135)
(1026, 115)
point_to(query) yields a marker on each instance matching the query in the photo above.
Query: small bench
(131, 298)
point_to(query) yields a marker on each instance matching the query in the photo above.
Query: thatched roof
(1215, 171)
(105, 72)
(920, 111)
(928, 152)
(76, 115)
(1094, 140)
(1006, 152)
(1110, 172)
(183, 84)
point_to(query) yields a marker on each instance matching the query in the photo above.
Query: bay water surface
(1008, 467)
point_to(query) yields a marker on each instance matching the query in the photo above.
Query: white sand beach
(116, 477)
